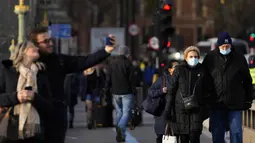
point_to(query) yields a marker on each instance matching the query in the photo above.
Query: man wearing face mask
(232, 89)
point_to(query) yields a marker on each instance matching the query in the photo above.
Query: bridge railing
(249, 125)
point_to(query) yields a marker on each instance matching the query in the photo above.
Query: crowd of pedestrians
(39, 87)
(219, 89)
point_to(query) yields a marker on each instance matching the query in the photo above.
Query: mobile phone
(28, 88)
(108, 41)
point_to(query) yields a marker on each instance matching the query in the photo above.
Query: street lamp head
(21, 2)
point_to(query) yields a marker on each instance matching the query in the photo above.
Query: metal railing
(249, 125)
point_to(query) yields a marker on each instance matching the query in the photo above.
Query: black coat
(156, 91)
(58, 66)
(71, 88)
(119, 76)
(180, 86)
(232, 80)
(8, 92)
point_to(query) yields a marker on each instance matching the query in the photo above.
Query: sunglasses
(46, 41)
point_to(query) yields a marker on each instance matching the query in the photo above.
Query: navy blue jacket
(155, 91)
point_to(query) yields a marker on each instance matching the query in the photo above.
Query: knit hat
(224, 38)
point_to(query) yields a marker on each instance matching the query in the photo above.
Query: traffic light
(252, 40)
(252, 36)
(166, 29)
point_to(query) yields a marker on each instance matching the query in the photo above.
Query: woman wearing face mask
(186, 91)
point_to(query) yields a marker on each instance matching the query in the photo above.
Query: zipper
(224, 81)
(189, 82)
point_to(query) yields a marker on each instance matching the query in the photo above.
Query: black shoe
(120, 136)
(90, 126)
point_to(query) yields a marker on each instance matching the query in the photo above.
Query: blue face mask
(192, 62)
(225, 52)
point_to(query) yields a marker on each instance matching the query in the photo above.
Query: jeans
(220, 119)
(123, 105)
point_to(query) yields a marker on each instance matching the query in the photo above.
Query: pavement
(142, 134)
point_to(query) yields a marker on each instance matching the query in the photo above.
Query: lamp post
(21, 10)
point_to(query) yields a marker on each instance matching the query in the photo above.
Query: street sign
(133, 30)
(154, 43)
(60, 30)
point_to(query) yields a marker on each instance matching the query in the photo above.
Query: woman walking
(90, 93)
(187, 90)
(157, 89)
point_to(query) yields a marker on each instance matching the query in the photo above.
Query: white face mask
(192, 62)
(225, 52)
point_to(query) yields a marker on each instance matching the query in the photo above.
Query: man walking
(232, 89)
(58, 66)
(119, 78)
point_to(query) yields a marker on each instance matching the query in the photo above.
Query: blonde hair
(18, 53)
(189, 49)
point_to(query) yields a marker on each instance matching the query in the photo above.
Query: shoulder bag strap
(163, 81)
(167, 128)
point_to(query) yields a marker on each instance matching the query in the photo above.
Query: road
(142, 134)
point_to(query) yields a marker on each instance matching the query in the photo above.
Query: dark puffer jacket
(232, 80)
(180, 85)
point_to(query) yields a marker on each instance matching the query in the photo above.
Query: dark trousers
(29, 140)
(71, 113)
(56, 131)
(193, 137)
(159, 138)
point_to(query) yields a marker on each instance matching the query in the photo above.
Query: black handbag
(155, 106)
(8, 125)
(190, 102)
(136, 118)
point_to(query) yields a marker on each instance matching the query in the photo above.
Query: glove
(248, 105)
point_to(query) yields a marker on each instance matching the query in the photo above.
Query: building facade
(193, 20)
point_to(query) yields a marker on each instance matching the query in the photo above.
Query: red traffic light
(251, 38)
(162, 65)
(168, 44)
(167, 7)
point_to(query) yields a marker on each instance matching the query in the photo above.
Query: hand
(164, 89)
(25, 96)
(110, 48)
